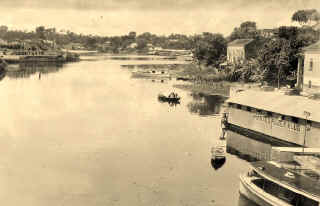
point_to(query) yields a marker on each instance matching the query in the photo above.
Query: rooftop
(298, 150)
(240, 42)
(275, 102)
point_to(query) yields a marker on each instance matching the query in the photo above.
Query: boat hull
(168, 99)
(256, 194)
(149, 75)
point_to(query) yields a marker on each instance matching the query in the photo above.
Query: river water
(87, 133)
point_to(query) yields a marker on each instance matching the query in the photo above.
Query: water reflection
(249, 147)
(170, 103)
(2, 75)
(150, 66)
(159, 80)
(26, 70)
(141, 58)
(218, 163)
(107, 141)
(243, 201)
(206, 105)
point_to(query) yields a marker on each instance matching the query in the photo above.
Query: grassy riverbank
(207, 80)
(219, 88)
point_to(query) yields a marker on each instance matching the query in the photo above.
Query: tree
(142, 44)
(288, 32)
(3, 30)
(247, 30)
(40, 31)
(274, 61)
(146, 36)
(132, 35)
(91, 42)
(304, 17)
(278, 58)
(248, 26)
(115, 44)
(209, 48)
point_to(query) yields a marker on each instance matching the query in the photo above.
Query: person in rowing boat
(172, 95)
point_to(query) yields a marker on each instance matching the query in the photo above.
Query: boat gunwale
(260, 193)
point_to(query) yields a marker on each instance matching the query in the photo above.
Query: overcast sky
(118, 17)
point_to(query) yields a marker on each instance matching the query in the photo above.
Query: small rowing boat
(172, 97)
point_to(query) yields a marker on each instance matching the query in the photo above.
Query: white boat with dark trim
(271, 184)
(218, 151)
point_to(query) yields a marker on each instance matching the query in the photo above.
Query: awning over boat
(309, 162)
(294, 106)
(297, 183)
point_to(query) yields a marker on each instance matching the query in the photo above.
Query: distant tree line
(117, 43)
(276, 56)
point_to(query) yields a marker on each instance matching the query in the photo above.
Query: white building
(237, 49)
(311, 73)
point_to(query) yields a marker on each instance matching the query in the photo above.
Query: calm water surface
(88, 134)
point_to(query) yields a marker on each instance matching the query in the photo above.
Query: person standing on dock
(224, 122)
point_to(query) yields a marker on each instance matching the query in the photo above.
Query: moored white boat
(218, 151)
(269, 184)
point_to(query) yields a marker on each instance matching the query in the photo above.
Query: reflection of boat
(269, 183)
(205, 105)
(217, 163)
(24, 70)
(170, 98)
(151, 74)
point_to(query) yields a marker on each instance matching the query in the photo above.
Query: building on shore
(311, 69)
(293, 120)
(267, 33)
(74, 46)
(237, 51)
(105, 46)
(133, 45)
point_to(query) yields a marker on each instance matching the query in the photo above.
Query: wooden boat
(270, 184)
(151, 74)
(218, 152)
(170, 98)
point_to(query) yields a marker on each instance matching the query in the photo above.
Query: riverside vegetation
(273, 62)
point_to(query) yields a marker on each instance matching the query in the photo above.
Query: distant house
(105, 46)
(3, 42)
(150, 46)
(74, 46)
(267, 33)
(48, 43)
(311, 71)
(238, 50)
(133, 45)
(173, 40)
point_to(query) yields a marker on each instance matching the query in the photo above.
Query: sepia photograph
(160, 103)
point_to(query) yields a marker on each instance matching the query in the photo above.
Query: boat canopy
(294, 106)
(287, 178)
